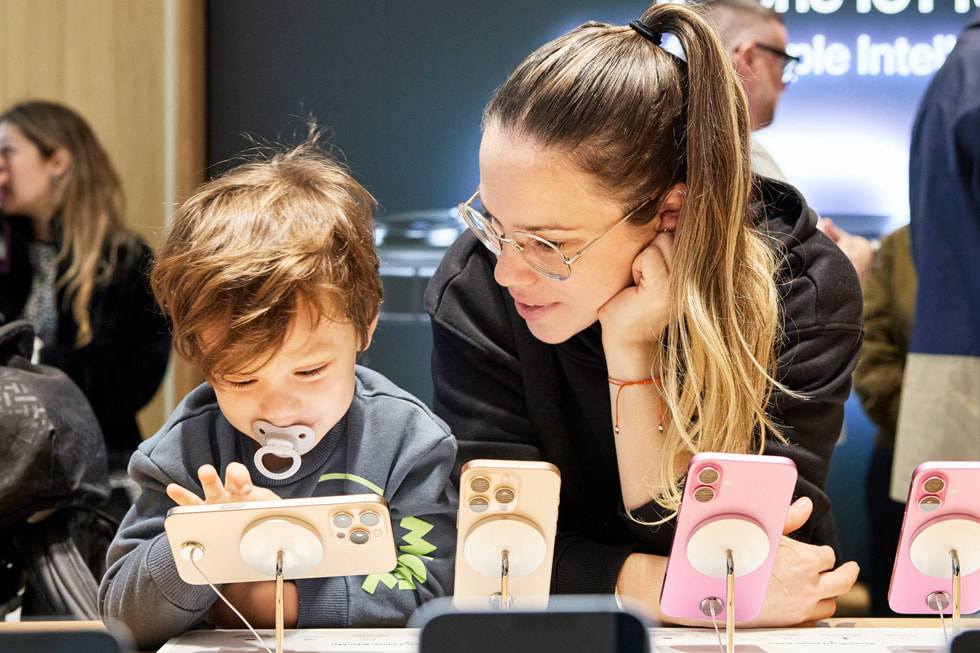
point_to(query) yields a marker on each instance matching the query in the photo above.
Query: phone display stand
(505, 534)
(278, 547)
(281, 539)
(947, 548)
(300, 546)
(727, 547)
(937, 565)
(505, 547)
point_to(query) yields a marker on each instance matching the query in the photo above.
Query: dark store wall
(401, 84)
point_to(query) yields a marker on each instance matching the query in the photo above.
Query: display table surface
(861, 635)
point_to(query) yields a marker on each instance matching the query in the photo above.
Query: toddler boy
(271, 280)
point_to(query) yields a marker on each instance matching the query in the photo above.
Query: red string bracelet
(623, 384)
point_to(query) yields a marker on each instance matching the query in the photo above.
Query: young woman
(71, 268)
(631, 296)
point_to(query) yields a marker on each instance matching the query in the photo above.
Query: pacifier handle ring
(275, 451)
(284, 442)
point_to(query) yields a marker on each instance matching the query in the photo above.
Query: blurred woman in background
(70, 267)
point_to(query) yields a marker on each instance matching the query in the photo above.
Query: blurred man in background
(756, 39)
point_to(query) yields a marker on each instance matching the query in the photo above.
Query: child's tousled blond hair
(249, 248)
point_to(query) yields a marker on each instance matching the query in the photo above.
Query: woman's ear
(670, 208)
(59, 162)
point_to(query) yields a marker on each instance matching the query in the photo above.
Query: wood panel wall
(135, 69)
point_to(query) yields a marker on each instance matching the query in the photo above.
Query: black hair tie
(644, 30)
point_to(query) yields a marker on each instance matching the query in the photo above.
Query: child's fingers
(182, 496)
(214, 491)
(237, 479)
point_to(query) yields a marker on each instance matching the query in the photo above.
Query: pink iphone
(942, 515)
(506, 507)
(731, 502)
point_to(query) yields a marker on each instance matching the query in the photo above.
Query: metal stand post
(279, 617)
(955, 558)
(504, 579)
(730, 617)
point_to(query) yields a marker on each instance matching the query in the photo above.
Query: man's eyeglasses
(788, 61)
(542, 256)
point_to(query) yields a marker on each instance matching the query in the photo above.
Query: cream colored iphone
(318, 537)
(507, 520)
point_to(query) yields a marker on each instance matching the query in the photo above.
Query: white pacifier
(282, 441)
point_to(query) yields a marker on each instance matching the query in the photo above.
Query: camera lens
(357, 536)
(504, 495)
(930, 503)
(708, 475)
(479, 504)
(342, 520)
(934, 485)
(704, 494)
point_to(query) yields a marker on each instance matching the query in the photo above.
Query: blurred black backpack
(53, 487)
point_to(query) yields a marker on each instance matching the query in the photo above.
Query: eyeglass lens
(787, 61)
(789, 70)
(538, 253)
(479, 225)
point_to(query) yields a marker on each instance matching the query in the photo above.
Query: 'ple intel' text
(867, 58)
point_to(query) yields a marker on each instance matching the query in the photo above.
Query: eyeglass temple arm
(606, 232)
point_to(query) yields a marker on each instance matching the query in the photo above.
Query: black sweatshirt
(507, 395)
(122, 367)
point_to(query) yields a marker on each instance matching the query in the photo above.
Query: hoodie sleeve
(821, 342)
(142, 590)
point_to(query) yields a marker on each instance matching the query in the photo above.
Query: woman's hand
(804, 583)
(236, 488)
(634, 318)
(802, 588)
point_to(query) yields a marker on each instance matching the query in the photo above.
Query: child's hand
(257, 603)
(236, 488)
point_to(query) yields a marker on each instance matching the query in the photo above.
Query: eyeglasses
(542, 256)
(788, 61)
